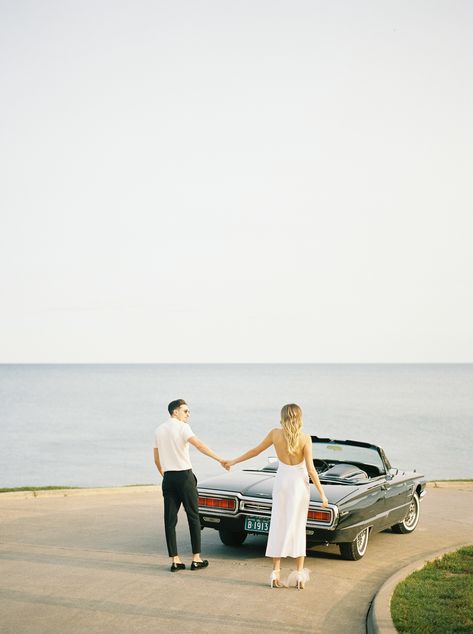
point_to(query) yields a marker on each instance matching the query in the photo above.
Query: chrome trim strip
(260, 508)
(373, 519)
(399, 507)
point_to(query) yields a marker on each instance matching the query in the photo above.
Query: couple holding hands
(291, 493)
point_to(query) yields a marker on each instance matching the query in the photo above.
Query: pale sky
(236, 181)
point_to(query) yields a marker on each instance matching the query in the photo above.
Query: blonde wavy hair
(291, 423)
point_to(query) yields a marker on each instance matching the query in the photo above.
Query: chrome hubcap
(412, 515)
(361, 541)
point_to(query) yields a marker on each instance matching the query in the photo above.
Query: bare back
(280, 444)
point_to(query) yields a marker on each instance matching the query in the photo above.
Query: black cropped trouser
(180, 487)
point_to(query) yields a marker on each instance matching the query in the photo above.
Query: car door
(376, 502)
(367, 509)
(398, 493)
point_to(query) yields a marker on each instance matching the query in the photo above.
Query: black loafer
(175, 567)
(197, 565)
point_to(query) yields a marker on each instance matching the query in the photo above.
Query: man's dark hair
(175, 405)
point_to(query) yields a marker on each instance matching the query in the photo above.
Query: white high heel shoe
(274, 580)
(298, 578)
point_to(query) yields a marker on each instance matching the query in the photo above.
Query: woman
(290, 493)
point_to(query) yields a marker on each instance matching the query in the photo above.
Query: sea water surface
(93, 425)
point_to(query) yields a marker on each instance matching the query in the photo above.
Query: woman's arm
(312, 472)
(264, 444)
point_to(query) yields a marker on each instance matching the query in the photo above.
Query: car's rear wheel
(411, 520)
(356, 549)
(232, 538)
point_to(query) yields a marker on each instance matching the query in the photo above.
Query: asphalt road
(96, 562)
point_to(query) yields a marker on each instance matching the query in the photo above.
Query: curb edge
(378, 619)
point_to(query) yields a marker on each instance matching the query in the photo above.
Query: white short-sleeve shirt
(171, 440)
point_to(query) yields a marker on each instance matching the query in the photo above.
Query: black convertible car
(366, 495)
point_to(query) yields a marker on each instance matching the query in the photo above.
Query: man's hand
(226, 464)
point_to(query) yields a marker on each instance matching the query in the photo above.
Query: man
(171, 456)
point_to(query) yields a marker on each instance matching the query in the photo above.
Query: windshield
(334, 452)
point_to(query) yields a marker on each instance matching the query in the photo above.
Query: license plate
(257, 524)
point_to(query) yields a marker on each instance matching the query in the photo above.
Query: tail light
(320, 516)
(217, 503)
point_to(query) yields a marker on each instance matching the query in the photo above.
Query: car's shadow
(324, 552)
(254, 548)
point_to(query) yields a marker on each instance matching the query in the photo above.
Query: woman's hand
(226, 464)
(324, 501)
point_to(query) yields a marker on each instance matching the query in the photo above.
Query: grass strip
(459, 480)
(57, 488)
(45, 488)
(438, 598)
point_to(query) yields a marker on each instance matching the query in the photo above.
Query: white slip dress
(291, 495)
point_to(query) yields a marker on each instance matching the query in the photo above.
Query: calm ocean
(90, 425)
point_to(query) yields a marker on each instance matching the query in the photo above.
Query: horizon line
(235, 363)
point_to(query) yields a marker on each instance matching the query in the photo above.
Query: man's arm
(202, 447)
(157, 461)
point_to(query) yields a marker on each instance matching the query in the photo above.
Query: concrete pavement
(95, 562)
